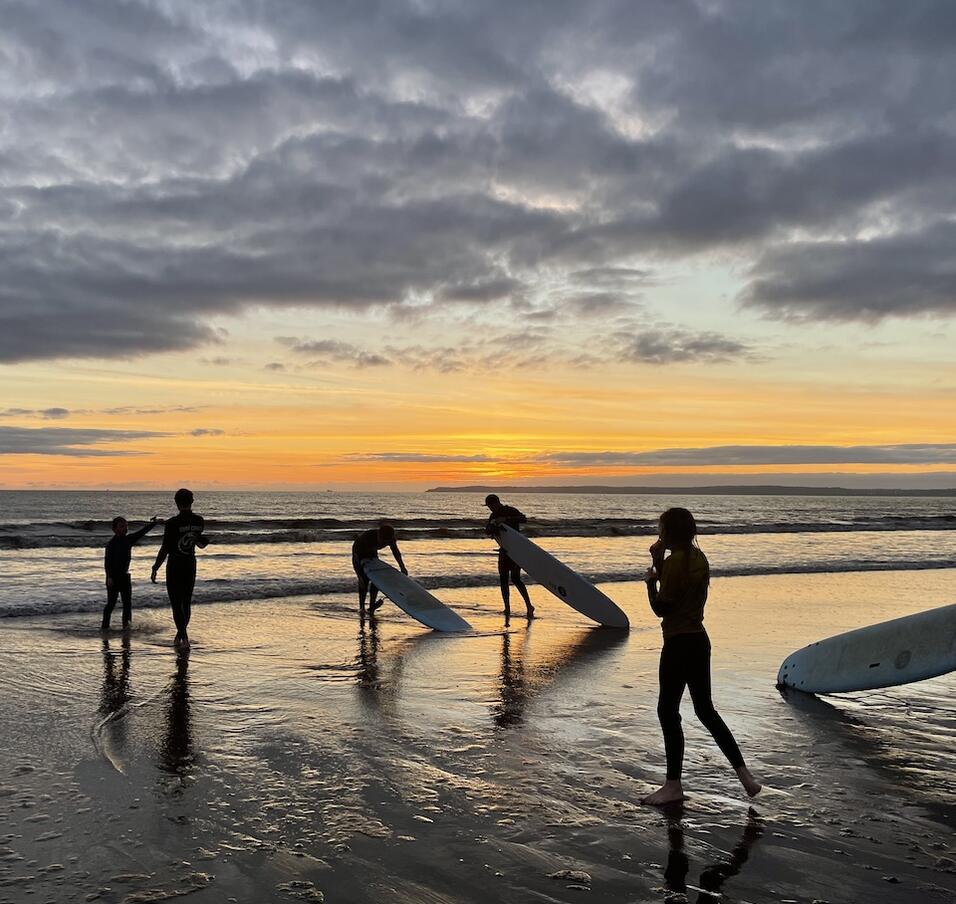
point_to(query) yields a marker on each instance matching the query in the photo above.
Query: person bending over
(366, 546)
(119, 551)
(509, 571)
(677, 591)
(181, 535)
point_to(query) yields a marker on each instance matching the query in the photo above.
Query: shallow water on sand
(294, 752)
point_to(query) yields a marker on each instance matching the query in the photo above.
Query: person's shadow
(714, 875)
(176, 755)
(518, 682)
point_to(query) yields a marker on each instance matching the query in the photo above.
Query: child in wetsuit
(116, 559)
(677, 591)
(181, 536)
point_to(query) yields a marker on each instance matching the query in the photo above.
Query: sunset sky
(400, 244)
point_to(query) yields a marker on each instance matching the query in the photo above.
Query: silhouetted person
(677, 591)
(116, 559)
(509, 571)
(366, 546)
(181, 535)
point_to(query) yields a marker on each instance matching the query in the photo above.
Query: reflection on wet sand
(176, 755)
(115, 692)
(518, 682)
(367, 676)
(110, 732)
(713, 876)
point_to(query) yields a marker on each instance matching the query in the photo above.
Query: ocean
(266, 545)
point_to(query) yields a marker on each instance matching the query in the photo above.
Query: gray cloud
(326, 350)
(896, 454)
(848, 280)
(69, 441)
(374, 154)
(207, 431)
(413, 457)
(47, 414)
(671, 346)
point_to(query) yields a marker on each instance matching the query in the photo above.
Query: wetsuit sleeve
(107, 558)
(662, 599)
(135, 537)
(167, 544)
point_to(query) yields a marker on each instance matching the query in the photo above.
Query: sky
(358, 245)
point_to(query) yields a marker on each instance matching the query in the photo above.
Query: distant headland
(715, 490)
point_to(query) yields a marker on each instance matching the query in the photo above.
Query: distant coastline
(715, 490)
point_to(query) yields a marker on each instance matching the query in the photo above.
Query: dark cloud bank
(165, 163)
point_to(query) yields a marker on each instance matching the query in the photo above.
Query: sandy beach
(294, 754)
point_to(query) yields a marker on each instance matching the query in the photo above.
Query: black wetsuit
(509, 515)
(180, 538)
(119, 551)
(366, 546)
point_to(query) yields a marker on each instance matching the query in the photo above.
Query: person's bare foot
(751, 785)
(668, 793)
(530, 613)
(377, 604)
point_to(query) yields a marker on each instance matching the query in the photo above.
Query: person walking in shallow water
(181, 535)
(509, 571)
(677, 591)
(116, 559)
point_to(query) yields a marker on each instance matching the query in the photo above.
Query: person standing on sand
(677, 591)
(366, 546)
(181, 535)
(509, 571)
(116, 559)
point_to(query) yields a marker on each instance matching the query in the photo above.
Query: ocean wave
(225, 590)
(91, 534)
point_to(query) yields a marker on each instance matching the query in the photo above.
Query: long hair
(678, 527)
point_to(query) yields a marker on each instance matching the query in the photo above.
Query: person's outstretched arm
(135, 537)
(398, 557)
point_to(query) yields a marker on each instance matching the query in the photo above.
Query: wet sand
(293, 754)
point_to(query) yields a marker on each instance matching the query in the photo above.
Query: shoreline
(293, 753)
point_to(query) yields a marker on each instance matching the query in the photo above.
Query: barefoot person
(119, 551)
(181, 535)
(509, 572)
(366, 546)
(679, 601)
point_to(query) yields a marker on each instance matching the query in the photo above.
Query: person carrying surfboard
(366, 546)
(677, 591)
(509, 571)
(116, 559)
(181, 535)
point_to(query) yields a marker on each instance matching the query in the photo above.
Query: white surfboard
(566, 584)
(412, 598)
(892, 652)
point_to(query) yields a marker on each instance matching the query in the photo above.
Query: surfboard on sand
(412, 598)
(883, 655)
(565, 583)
